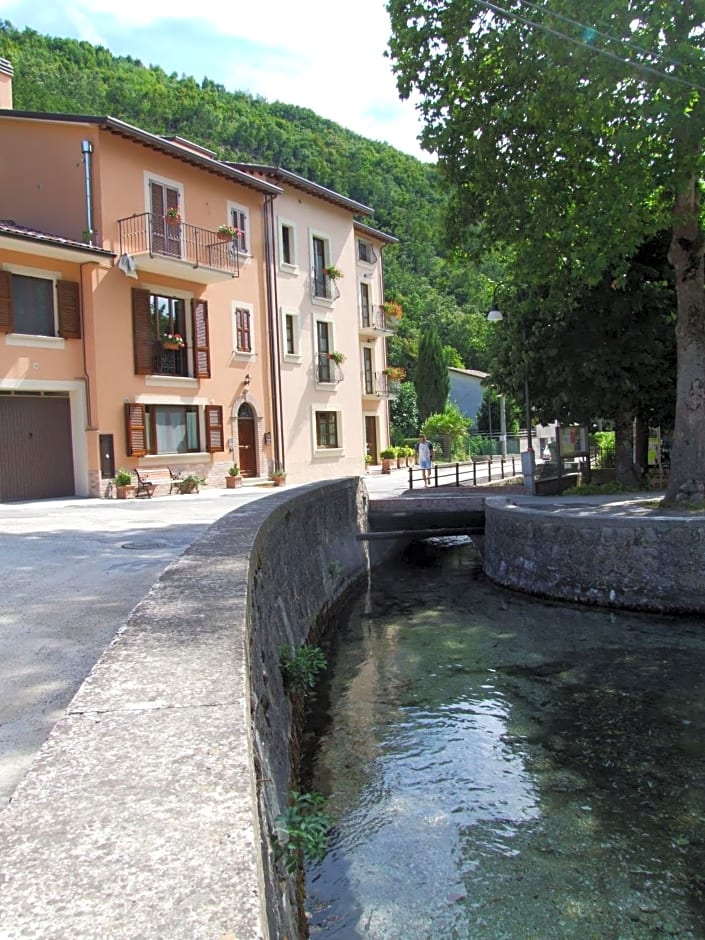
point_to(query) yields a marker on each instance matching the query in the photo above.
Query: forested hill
(65, 75)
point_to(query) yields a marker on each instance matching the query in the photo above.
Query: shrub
(300, 666)
(305, 826)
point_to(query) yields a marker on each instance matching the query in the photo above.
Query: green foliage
(305, 828)
(234, 471)
(606, 448)
(388, 453)
(300, 666)
(431, 378)
(404, 413)
(123, 477)
(451, 427)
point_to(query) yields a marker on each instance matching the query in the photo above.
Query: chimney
(6, 73)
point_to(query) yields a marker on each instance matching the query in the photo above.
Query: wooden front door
(371, 437)
(247, 441)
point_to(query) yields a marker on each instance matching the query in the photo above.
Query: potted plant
(395, 373)
(337, 357)
(173, 341)
(392, 309)
(172, 216)
(124, 487)
(387, 456)
(190, 483)
(333, 272)
(228, 232)
(234, 477)
(278, 477)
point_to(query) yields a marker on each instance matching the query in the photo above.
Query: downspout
(87, 150)
(274, 338)
(85, 376)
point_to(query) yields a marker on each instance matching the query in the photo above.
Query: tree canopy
(571, 132)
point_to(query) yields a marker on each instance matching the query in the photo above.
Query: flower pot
(386, 465)
(279, 481)
(224, 237)
(171, 346)
(232, 482)
(124, 492)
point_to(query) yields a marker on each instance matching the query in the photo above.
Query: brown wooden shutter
(5, 303)
(242, 330)
(135, 429)
(142, 338)
(201, 353)
(69, 297)
(215, 438)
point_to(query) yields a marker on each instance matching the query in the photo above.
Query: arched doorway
(247, 441)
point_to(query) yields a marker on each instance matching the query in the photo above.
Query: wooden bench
(149, 480)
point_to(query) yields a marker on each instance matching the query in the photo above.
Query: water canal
(501, 768)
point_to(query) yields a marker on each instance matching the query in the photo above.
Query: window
(365, 252)
(287, 244)
(171, 429)
(323, 286)
(27, 305)
(324, 345)
(327, 429)
(243, 330)
(155, 316)
(365, 306)
(367, 371)
(291, 331)
(240, 219)
(164, 198)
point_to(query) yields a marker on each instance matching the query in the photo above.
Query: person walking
(424, 457)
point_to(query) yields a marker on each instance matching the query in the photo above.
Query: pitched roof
(10, 229)
(306, 186)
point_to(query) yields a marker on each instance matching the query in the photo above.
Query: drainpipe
(274, 343)
(87, 150)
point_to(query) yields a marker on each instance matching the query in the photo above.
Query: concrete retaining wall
(148, 811)
(650, 561)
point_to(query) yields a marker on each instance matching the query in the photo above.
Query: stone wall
(150, 809)
(650, 561)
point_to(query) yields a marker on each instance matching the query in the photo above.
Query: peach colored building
(332, 411)
(134, 334)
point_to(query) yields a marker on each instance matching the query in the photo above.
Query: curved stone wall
(150, 809)
(645, 560)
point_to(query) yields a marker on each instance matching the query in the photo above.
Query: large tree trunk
(687, 479)
(641, 448)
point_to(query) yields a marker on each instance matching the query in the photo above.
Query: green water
(500, 767)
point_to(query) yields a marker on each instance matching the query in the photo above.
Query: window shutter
(141, 332)
(5, 303)
(135, 430)
(242, 330)
(69, 297)
(201, 354)
(215, 438)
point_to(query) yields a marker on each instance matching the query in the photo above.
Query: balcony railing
(375, 322)
(323, 285)
(156, 236)
(386, 387)
(328, 372)
(169, 361)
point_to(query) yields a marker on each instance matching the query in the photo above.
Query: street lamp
(494, 316)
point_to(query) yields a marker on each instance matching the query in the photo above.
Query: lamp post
(494, 316)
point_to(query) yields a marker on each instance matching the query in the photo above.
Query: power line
(579, 42)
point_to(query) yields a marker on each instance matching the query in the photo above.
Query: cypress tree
(431, 378)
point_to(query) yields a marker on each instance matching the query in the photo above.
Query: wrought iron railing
(152, 234)
(324, 285)
(385, 386)
(169, 361)
(375, 319)
(328, 372)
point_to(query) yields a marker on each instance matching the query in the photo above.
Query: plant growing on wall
(300, 666)
(305, 829)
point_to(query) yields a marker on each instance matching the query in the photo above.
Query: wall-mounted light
(247, 380)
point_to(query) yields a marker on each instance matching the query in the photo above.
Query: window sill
(171, 381)
(328, 452)
(35, 341)
(294, 358)
(287, 268)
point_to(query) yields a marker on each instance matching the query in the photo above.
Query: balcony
(328, 372)
(374, 322)
(380, 385)
(178, 249)
(323, 286)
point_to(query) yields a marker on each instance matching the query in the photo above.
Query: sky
(328, 55)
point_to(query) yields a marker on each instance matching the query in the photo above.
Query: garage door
(36, 460)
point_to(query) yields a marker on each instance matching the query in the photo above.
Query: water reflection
(503, 768)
